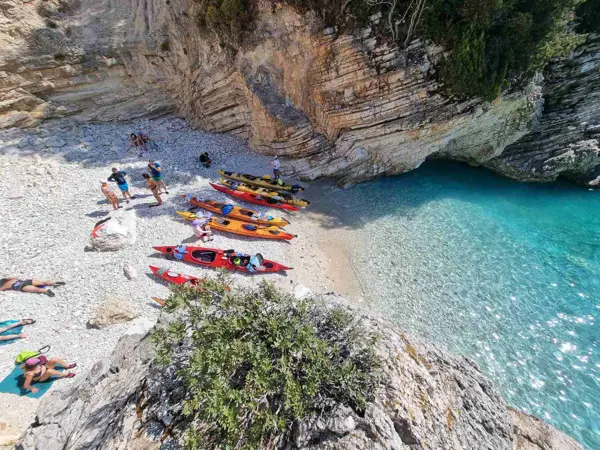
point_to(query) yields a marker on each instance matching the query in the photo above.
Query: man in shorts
(118, 176)
(276, 165)
(156, 174)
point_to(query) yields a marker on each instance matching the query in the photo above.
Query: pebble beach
(50, 202)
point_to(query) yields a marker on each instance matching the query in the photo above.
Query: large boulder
(114, 233)
(427, 399)
(113, 310)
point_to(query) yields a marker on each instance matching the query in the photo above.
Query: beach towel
(16, 330)
(13, 384)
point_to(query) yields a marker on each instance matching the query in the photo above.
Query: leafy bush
(492, 43)
(259, 360)
(588, 16)
(227, 18)
(495, 42)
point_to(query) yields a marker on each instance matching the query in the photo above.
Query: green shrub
(492, 43)
(588, 16)
(227, 18)
(496, 42)
(261, 360)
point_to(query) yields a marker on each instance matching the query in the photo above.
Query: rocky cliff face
(427, 399)
(565, 141)
(350, 107)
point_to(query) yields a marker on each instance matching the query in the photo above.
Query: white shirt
(276, 164)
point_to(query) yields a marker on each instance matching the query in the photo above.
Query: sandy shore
(51, 201)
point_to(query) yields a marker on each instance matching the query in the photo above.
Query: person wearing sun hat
(40, 369)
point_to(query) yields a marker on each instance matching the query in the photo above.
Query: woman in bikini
(110, 195)
(153, 186)
(31, 286)
(40, 369)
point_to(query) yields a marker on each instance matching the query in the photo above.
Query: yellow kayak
(284, 197)
(265, 181)
(242, 228)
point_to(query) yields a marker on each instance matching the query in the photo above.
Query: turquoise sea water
(505, 273)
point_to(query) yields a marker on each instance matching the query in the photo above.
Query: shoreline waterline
(502, 272)
(348, 240)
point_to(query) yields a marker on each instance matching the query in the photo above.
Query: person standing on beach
(153, 186)
(110, 195)
(156, 172)
(118, 176)
(276, 164)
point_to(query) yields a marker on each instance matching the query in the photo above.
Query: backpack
(26, 354)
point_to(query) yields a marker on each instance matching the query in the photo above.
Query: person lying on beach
(153, 186)
(118, 176)
(31, 286)
(41, 369)
(10, 337)
(110, 194)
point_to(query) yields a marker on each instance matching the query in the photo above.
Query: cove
(505, 273)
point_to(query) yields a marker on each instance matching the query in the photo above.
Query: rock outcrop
(350, 107)
(566, 140)
(427, 399)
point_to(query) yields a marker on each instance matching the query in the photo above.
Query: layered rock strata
(350, 107)
(566, 140)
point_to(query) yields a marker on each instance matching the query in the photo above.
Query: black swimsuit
(17, 285)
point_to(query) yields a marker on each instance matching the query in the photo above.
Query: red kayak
(228, 259)
(253, 198)
(174, 277)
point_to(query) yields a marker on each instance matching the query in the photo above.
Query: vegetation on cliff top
(255, 362)
(492, 44)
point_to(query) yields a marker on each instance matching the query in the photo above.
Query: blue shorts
(123, 187)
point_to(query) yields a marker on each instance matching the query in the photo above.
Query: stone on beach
(117, 233)
(130, 271)
(114, 310)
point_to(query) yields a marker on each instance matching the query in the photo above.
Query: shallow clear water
(503, 272)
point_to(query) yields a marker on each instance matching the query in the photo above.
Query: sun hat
(32, 362)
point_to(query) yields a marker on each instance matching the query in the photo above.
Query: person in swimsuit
(156, 172)
(154, 189)
(118, 176)
(31, 286)
(10, 337)
(138, 142)
(40, 369)
(110, 195)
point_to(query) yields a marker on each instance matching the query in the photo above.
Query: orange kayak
(239, 213)
(242, 228)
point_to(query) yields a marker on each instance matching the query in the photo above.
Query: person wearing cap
(118, 176)
(276, 164)
(41, 369)
(201, 228)
(110, 194)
